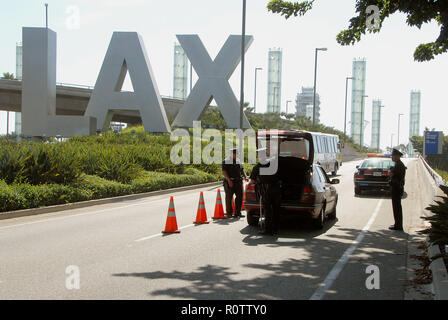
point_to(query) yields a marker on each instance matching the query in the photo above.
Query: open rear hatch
(295, 160)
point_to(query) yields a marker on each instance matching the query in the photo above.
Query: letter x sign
(213, 82)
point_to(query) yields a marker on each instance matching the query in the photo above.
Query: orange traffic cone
(219, 210)
(171, 221)
(201, 217)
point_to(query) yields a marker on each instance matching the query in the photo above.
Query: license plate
(377, 174)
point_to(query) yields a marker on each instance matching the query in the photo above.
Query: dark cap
(395, 152)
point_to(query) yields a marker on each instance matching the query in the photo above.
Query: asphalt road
(120, 253)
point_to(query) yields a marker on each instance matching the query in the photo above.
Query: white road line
(88, 213)
(161, 234)
(334, 273)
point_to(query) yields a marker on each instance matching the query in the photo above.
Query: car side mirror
(335, 181)
(357, 167)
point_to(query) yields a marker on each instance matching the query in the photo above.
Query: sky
(391, 70)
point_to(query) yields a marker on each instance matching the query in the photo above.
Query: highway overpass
(73, 100)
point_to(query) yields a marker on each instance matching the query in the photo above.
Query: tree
(418, 12)
(7, 75)
(417, 143)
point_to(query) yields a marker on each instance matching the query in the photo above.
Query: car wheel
(319, 222)
(357, 190)
(252, 219)
(332, 215)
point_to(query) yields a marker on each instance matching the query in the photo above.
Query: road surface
(120, 253)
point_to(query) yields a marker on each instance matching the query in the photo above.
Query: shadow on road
(292, 277)
(290, 227)
(377, 195)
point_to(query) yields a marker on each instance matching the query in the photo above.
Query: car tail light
(308, 195)
(307, 190)
(250, 192)
(385, 173)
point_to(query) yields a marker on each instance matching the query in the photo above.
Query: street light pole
(46, 15)
(243, 45)
(315, 82)
(255, 90)
(345, 113)
(7, 123)
(399, 116)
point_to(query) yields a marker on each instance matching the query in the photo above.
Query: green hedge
(152, 181)
(25, 196)
(18, 196)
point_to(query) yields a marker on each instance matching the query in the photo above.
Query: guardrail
(437, 178)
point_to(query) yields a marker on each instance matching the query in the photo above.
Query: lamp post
(362, 120)
(345, 113)
(255, 89)
(46, 15)
(7, 123)
(243, 44)
(315, 80)
(398, 138)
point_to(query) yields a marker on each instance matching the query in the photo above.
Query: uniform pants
(236, 190)
(271, 205)
(396, 206)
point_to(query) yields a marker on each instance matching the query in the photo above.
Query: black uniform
(268, 190)
(397, 190)
(236, 174)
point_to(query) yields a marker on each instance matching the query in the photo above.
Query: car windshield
(377, 163)
(297, 148)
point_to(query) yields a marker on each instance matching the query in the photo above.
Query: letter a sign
(126, 52)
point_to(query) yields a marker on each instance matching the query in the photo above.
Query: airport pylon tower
(358, 100)
(414, 118)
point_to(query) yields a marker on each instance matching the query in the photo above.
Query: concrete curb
(89, 203)
(439, 275)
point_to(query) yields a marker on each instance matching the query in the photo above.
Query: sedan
(373, 174)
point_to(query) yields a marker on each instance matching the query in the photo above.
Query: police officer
(234, 175)
(268, 189)
(396, 182)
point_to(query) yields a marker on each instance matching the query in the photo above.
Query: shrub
(39, 163)
(152, 181)
(24, 196)
(102, 188)
(438, 232)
